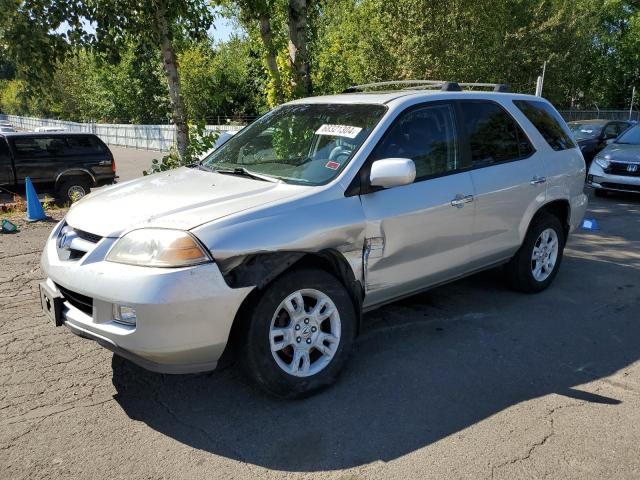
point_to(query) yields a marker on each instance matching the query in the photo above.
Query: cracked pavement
(469, 380)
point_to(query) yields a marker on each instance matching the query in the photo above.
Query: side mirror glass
(392, 172)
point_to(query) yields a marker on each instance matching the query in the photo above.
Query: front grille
(69, 250)
(81, 302)
(621, 186)
(623, 169)
(89, 237)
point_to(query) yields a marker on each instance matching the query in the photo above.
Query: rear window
(548, 122)
(77, 145)
(494, 136)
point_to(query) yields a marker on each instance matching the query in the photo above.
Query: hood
(621, 152)
(182, 199)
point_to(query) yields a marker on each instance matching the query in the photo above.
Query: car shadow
(422, 369)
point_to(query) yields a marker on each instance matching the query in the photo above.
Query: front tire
(300, 333)
(536, 263)
(600, 192)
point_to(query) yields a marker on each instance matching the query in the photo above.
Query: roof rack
(442, 85)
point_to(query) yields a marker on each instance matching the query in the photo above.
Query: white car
(49, 129)
(273, 247)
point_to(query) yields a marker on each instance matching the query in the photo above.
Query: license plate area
(51, 303)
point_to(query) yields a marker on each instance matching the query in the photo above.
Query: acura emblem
(64, 242)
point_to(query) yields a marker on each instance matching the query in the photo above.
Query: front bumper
(184, 315)
(598, 178)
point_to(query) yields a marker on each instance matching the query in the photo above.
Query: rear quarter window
(548, 122)
(79, 145)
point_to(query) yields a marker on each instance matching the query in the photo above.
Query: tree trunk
(272, 65)
(298, 54)
(170, 64)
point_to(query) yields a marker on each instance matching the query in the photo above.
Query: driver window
(425, 135)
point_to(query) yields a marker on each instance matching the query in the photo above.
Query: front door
(6, 170)
(38, 157)
(418, 235)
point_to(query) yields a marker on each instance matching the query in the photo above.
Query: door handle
(460, 200)
(537, 180)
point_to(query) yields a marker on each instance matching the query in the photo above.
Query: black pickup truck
(66, 164)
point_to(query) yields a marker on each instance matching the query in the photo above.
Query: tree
(263, 13)
(156, 23)
(42, 33)
(299, 60)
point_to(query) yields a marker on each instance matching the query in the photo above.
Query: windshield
(306, 144)
(585, 131)
(631, 136)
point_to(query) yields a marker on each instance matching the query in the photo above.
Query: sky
(222, 29)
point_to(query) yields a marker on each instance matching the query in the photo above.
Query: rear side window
(548, 122)
(494, 137)
(80, 145)
(5, 157)
(38, 147)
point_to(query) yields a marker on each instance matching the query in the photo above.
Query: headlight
(604, 163)
(156, 247)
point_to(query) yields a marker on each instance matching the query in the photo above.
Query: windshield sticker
(332, 165)
(339, 130)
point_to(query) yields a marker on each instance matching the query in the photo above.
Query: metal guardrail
(572, 115)
(145, 137)
(163, 137)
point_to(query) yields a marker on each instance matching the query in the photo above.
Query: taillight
(113, 165)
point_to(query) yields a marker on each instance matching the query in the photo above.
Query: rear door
(508, 177)
(38, 157)
(418, 235)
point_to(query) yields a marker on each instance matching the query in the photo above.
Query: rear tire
(300, 333)
(536, 263)
(73, 189)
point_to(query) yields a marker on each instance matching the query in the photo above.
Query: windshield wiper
(243, 172)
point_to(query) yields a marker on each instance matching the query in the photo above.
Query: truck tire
(72, 189)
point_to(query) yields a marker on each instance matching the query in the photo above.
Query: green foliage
(13, 97)
(200, 142)
(591, 45)
(217, 79)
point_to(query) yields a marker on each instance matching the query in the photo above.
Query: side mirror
(392, 172)
(609, 141)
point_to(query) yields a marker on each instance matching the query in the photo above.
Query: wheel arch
(75, 172)
(260, 270)
(561, 209)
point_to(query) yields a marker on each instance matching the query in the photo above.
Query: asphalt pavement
(469, 380)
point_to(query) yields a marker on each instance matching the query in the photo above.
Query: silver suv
(273, 246)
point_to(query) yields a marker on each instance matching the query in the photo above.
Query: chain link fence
(146, 137)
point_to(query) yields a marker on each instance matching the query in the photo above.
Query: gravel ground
(469, 380)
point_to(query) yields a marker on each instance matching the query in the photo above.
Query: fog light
(125, 315)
